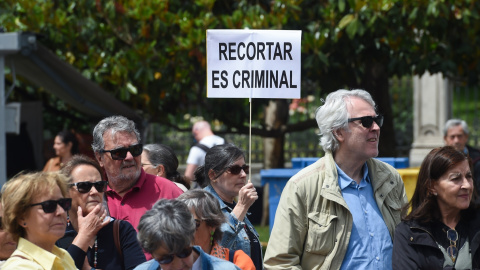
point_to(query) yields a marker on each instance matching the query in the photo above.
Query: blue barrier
(277, 179)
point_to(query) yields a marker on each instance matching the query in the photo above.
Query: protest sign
(253, 63)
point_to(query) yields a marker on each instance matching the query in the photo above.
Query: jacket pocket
(321, 233)
(395, 208)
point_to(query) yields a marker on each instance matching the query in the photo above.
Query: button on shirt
(370, 245)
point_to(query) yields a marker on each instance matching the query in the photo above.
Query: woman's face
(177, 263)
(203, 232)
(147, 166)
(7, 244)
(44, 229)
(88, 201)
(228, 185)
(454, 189)
(61, 149)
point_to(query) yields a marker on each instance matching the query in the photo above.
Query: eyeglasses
(1, 224)
(166, 259)
(85, 187)
(367, 121)
(51, 205)
(237, 169)
(452, 236)
(121, 153)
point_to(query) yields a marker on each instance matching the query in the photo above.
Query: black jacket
(415, 248)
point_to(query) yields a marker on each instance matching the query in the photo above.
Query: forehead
(119, 138)
(159, 252)
(357, 107)
(84, 170)
(455, 130)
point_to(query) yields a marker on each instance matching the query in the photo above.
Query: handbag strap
(116, 238)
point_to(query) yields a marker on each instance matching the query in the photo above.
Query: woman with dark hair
(442, 230)
(65, 146)
(225, 177)
(160, 160)
(90, 237)
(208, 219)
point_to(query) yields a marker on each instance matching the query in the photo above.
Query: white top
(196, 155)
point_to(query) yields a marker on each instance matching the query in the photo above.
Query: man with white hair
(203, 134)
(456, 133)
(340, 212)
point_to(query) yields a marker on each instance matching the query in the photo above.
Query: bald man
(202, 132)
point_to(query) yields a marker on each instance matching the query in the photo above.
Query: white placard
(253, 63)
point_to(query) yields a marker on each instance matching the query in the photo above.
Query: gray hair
(453, 123)
(168, 224)
(114, 124)
(218, 158)
(333, 115)
(206, 207)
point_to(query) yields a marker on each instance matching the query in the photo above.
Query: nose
(60, 210)
(129, 156)
(177, 263)
(467, 183)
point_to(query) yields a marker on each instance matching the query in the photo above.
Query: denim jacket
(208, 262)
(234, 235)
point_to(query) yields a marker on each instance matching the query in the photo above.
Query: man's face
(456, 138)
(359, 143)
(122, 174)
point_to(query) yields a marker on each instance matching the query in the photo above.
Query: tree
(151, 54)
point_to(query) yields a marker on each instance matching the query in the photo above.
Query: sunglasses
(1, 224)
(452, 251)
(85, 187)
(51, 205)
(367, 121)
(166, 259)
(121, 153)
(237, 169)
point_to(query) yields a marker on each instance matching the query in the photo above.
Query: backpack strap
(116, 238)
(202, 146)
(231, 254)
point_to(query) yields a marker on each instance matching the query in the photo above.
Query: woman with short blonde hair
(35, 213)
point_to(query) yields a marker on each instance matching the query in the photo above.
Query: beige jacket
(313, 223)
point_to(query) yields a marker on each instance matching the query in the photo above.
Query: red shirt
(141, 197)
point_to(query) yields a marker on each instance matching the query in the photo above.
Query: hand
(247, 195)
(89, 226)
(93, 222)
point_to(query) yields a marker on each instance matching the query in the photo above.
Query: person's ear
(21, 222)
(339, 134)
(212, 175)
(99, 158)
(433, 189)
(161, 170)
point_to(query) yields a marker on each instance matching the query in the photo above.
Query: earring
(68, 219)
(24, 224)
(211, 237)
(435, 194)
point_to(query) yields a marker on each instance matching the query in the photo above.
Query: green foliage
(151, 53)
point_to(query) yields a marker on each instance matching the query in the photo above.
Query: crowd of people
(130, 208)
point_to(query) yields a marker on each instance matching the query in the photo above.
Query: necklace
(95, 257)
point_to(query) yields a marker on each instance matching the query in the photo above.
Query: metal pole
(3, 145)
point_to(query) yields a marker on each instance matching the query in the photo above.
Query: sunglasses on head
(166, 259)
(85, 187)
(121, 153)
(51, 205)
(237, 169)
(367, 121)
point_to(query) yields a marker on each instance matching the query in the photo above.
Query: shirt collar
(344, 180)
(41, 256)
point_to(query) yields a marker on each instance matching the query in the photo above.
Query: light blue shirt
(370, 245)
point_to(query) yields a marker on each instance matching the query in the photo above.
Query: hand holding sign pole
(253, 64)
